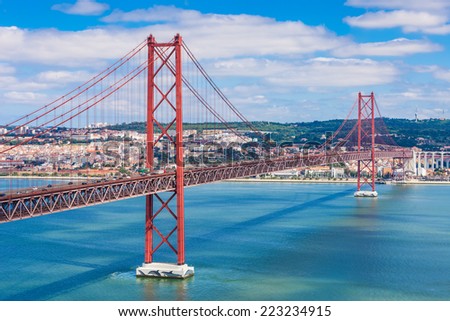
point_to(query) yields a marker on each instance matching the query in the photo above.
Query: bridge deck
(59, 198)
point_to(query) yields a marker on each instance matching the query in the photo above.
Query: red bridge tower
(366, 142)
(164, 218)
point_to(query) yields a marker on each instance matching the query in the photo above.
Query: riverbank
(251, 180)
(417, 182)
(50, 177)
(328, 181)
(288, 180)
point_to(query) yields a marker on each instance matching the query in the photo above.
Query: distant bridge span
(66, 197)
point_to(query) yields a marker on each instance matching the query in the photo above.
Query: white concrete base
(366, 194)
(165, 270)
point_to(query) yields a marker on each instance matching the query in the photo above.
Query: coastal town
(99, 151)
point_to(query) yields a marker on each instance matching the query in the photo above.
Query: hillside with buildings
(111, 150)
(428, 134)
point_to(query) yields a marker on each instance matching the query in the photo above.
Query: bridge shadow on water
(121, 262)
(270, 217)
(50, 257)
(74, 281)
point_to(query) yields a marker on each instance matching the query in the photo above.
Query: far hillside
(430, 134)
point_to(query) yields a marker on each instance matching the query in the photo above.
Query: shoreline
(326, 181)
(421, 183)
(287, 180)
(252, 180)
(49, 177)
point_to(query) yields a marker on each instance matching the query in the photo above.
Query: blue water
(247, 241)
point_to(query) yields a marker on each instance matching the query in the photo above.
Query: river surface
(247, 241)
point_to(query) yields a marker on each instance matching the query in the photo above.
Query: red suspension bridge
(166, 84)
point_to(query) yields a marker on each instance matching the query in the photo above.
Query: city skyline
(278, 61)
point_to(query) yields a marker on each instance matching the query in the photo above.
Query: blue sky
(278, 60)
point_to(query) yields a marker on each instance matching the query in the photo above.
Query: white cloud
(429, 17)
(64, 76)
(66, 48)
(277, 112)
(248, 56)
(317, 72)
(428, 101)
(233, 35)
(442, 74)
(6, 69)
(6, 81)
(24, 97)
(410, 21)
(10, 82)
(249, 67)
(330, 72)
(435, 70)
(396, 47)
(401, 4)
(226, 36)
(154, 14)
(82, 7)
(251, 100)
(439, 30)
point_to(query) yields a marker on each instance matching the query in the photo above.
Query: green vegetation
(430, 134)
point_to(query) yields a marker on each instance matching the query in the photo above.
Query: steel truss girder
(64, 198)
(37, 203)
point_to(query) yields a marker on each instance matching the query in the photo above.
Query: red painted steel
(366, 118)
(179, 150)
(150, 146)
(165, 52)
(33, 203)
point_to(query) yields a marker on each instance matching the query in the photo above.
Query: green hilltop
(429, 134)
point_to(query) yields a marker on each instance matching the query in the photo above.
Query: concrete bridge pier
(165, 270)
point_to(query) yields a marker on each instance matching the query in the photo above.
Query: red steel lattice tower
(366, 142)
(165, 126)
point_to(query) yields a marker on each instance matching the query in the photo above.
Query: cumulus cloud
(317, 72)
(429, 17)
(6, 69)
(401, 4)
(64, 76)
(154, 14)
(424, 99)
(439, 30)
(233, 35)
(396, 47)
(249, 67)
(252, 100)
(7, 81)
(24, 97)
(442, 74)
(82, 7)
(227, 36)
(10, 82)
(67, 48)
(436, 71)
(332, 72)
(409, 21)
(266, 58)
